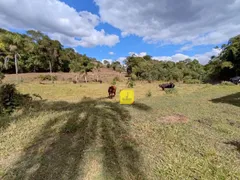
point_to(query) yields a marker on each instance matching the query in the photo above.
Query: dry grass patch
(177, 118)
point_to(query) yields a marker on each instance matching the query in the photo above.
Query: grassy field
(74, 132)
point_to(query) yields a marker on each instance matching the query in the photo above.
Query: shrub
(133, 77)
(227, 83)
(116, 78)
(1, 77)
(130, 83)
(171, 91)
(114, 82)
(192, 81)
(47, 78)
(10, 98)
(149, 94)
(70, 127)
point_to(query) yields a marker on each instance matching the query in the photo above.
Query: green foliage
(10, 98)
(133, 77)
(171, 91)
(82, 64)
(130, 83)
(2, 76)
(116, 78)
(47, 78)
(227, 83)
(227, 64)
(149, 93)
(114, 82)
(146, 68)
(192, 81)
(38, 53)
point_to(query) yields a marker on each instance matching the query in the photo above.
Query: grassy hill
(105, 74)
(75, 133)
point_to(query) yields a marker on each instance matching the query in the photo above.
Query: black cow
(169, 85)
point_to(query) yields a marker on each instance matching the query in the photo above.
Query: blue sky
(107, 29)
(128, 44)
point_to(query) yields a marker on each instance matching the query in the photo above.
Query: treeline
(222, 67)
(36, 52)
(144, 68)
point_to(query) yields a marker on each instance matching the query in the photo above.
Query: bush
(171, 91)
(114, 82)
(116, 78)
(47, 78)
(149, 94)
(10, 98)
(1, 77)
(227, 83)
(130, 83)
(133, 77)
(192, 81)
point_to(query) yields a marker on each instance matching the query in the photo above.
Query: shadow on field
(233, 99)
(236, 144)
(58, 151)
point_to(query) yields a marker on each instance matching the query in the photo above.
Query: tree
(50, 51)
(83, 65)
(107, 63)
(97, 67)
(10, 45)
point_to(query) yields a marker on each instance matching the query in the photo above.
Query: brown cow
(112, 91)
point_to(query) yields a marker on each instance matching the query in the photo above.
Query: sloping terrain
(104, 74)
(191, 134)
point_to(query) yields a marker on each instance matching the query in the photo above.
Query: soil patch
(176, 118)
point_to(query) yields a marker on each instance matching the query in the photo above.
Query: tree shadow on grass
(58, 150)
(235, 143)
(233, 99)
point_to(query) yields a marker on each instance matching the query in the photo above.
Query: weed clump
(10, 98)
(149, 94)
(171, 91)
(227, 83)
(130, 83)
(47, 78)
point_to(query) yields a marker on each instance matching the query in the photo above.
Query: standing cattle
(170, 85)
(112, 91)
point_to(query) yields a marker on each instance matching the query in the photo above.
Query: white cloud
(121, 59)
(188, 22)
(111, 53)
(202, 58)
(109, 60)
(56, 18)
(141, 54)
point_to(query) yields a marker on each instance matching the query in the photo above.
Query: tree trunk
(97, 77)
(77, 78)
(50, 67)
(16, 66)
(85, 77)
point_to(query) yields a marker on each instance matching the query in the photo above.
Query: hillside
(105, 74)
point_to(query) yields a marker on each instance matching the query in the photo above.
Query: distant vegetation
(36, 52)
(222, 67)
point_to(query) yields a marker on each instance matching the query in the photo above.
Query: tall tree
(83, 65)
(12, 43)
(50, 50)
